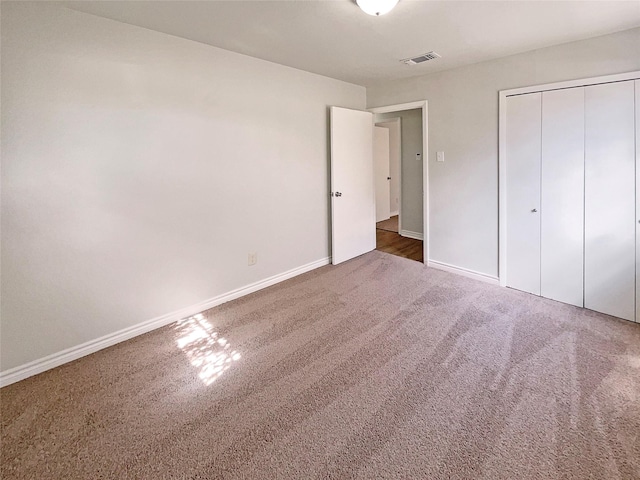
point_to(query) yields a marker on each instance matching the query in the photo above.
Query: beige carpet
(391, 224)
(377, 368)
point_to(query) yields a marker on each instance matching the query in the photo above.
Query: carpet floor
(376, 368)
(390, 224)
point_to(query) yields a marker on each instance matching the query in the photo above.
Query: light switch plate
(440, 156)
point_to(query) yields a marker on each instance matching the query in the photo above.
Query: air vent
(420, 58)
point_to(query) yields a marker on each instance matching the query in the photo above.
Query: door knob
(534, 210)
(388, 178)
(338, 194)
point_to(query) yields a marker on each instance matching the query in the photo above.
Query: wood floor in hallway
(395, 244)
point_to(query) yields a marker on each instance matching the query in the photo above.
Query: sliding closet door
(523, 192)
(562, 207)
(610, 199)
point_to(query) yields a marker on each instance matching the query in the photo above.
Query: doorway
(388, 172)
(352, 192)
(401, 233)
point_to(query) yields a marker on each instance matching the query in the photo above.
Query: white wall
(411, 139)
(140, 169)
(463, 122)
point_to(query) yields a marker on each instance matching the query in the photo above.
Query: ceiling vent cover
(420, 58)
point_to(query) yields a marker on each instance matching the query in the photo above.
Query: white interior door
(562, 207)
(395, 154)
(610, 204)
(381, 172)
(523, 192)
(353, 206)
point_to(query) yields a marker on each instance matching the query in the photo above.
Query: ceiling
(335, 38)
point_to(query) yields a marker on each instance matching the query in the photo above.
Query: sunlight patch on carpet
(206, 350)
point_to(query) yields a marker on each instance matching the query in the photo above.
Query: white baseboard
(393, 214)
(51, 361)
(410, 234)
(464, 272)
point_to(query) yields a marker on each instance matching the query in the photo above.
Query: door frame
(502, 150)
(398, 121)
(423, 105)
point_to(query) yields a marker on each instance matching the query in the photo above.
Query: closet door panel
(562, 202)
(610, 199)
(637, 219)
(523, 192)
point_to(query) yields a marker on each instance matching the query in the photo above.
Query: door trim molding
(581, 82)
(502, 149)
(424, 105)
(637, 91)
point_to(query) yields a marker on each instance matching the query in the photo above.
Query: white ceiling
(335, 38)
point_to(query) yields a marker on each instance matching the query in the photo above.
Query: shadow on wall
(206, 350)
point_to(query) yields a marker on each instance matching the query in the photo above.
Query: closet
(568, 206)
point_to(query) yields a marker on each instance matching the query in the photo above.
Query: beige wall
(140, 169)
(463, 122)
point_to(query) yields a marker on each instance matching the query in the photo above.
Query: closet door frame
(502, 153)
(637, 94)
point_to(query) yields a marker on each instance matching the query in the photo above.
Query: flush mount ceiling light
(376, 7)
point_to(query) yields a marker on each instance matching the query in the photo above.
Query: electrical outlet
(253, 258)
